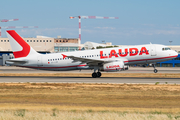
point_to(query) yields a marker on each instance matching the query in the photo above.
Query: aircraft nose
(175, 53)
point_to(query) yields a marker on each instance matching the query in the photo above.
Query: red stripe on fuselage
(150, 59)
(25, 47)
(56, 67)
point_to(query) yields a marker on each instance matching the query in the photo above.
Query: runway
(8, 69)
(120, 80)
(116, 80)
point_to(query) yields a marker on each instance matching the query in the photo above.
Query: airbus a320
(109, 59)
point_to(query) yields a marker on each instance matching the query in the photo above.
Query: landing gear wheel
(155, 70)
(98, 74)
(94, 75)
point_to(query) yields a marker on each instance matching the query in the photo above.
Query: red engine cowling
(113, 66)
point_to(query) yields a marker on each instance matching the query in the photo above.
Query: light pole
(170, 42)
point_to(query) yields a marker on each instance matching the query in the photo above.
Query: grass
(83, 100)
(83, 115)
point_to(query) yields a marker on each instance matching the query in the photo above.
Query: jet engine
(113, 66)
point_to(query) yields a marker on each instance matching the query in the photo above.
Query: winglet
(64, 56)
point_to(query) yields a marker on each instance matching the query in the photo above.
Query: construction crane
(6, 20)
(10, 27)
(89, 17)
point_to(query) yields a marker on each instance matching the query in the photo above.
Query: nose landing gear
(155, 70)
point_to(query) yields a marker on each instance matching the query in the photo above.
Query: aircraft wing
(87, 60)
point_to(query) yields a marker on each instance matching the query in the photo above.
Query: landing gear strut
(155, 70)
(95, 75)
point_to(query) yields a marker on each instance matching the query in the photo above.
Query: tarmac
(112, 80)
(116, 80)
(13, 69)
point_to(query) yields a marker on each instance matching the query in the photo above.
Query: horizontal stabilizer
(13, 61)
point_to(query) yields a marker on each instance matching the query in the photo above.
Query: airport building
(45, 45)
(40, 44)
(66, 44)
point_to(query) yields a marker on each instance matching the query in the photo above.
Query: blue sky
(140, 21)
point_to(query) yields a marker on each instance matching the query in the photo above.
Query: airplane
(109, 59)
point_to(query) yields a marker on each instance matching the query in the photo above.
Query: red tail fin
(19, 47)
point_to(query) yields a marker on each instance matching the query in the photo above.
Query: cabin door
(153, 50)
(39, 61)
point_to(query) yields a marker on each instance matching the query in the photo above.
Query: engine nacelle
(113, 66)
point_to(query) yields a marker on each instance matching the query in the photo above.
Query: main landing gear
(96, 74)
(155, 70)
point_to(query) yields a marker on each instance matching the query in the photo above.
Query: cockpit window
(166, 49)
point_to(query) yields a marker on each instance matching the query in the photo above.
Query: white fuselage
(140, 54)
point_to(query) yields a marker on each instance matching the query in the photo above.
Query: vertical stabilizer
(19, 47)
